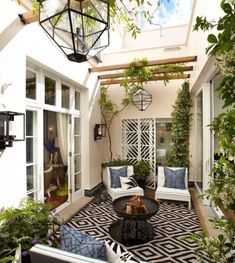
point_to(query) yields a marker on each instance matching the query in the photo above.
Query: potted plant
(24, 226)
(141, 171)
(116, 162)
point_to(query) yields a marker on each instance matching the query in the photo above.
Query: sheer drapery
(62, 130)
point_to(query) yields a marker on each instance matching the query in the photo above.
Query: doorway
(55, 138)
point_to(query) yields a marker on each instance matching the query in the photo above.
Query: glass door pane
(30, 85)
(55, 158)
(163, 142)
(199, 141)
(77, 154)
(31, 158)
(50, 91)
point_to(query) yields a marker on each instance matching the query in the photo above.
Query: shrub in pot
(24, 226)
(141, 171)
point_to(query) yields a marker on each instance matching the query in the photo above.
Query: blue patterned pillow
(74, 241)
(174, 178)
(115, 176)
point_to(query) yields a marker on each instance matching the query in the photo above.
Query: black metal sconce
(99, 131)
(142, 99)
(80, 28)
(12, 128)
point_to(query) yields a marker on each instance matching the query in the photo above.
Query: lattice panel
(138, 143)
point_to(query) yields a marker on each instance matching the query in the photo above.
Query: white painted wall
(30, 43)
(161, 107)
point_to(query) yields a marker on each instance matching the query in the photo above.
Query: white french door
(76, 159)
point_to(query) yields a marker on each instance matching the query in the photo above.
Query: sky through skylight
(169, 13)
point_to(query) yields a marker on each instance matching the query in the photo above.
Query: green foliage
(135, 75)
(219, 249)
(120, 14)
(221, 188)
(141, 170)
(180, 129)
(116, 162)
(26, 226)
(224, 41)
(108, 111)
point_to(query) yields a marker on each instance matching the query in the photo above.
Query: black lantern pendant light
(142, 99)
(80, 28)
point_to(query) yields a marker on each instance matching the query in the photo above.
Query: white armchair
(119, 192)
(167, 193)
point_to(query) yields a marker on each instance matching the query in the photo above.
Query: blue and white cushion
(128, 182)
(115, 175)
(174, 178)
(74, 241)
(118, 254)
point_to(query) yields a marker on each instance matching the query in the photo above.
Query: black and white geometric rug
(172, 224)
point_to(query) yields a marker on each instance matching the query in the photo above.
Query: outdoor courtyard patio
(117, 131)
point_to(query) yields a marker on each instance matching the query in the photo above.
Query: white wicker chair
(119, 192)
(171, 193)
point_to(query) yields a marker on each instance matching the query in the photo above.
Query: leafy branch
(135, 75)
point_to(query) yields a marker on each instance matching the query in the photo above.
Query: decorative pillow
(74, 241)
(128, 182)
(118, 254)
(115, 175)
(174, 178)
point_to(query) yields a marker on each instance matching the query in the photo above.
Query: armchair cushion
(174, 178)
(128, 182)
(118, 254)
(73, 240)
(115, 176)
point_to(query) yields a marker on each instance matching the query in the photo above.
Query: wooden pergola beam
(149, 63)
(28, 17)
(119, 81)
(156, 71)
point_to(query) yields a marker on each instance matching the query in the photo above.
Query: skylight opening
(169, 13)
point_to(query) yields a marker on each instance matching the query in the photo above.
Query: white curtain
(62, 130)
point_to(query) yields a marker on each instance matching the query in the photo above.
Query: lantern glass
(142, 99)
(79, 27)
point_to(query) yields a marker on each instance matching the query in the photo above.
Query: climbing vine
(221, 190)
(135, 76)
(180, 128)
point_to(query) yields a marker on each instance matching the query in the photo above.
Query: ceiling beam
(119, 81)
(28, 17)
(149, 63)
(156, 71)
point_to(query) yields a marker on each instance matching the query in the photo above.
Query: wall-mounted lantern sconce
(99, 131)
(12, 128)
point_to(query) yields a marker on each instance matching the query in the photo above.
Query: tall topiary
(179, 155)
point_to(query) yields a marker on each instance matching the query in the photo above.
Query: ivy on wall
(180, 128)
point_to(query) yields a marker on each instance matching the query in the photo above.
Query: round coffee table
(133, 229)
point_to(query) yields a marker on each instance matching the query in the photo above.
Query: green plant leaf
(212, 39)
